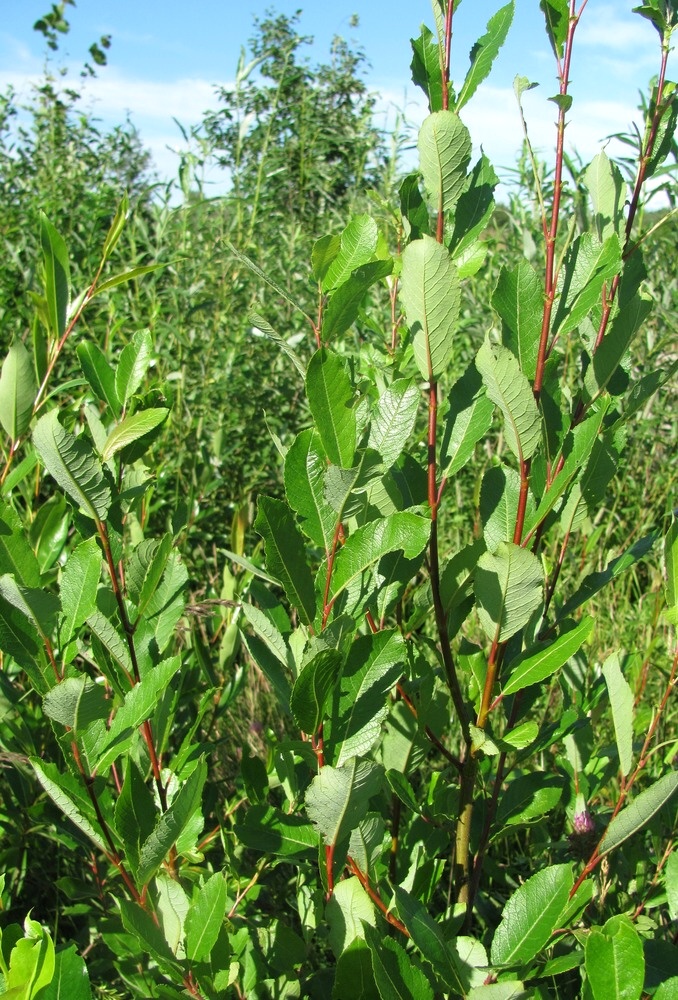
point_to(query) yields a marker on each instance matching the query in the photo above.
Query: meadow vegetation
(338, 565)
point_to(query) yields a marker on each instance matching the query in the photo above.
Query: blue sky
(167, 56)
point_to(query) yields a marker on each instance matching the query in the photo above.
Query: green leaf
(338, 798)
(519, 300)
(344, 305)
(73, 464)
(106, 632)
(357, 247)
(55, 786)
(531, 915)
(348, 910)
(56, 276)
(431, 295)
(542, 661)
(331, 399)
(557, 16)
(428, 936)
(139, 705)
(484, 52)
(615, 964)
(78, 588)
(671, 884)
(263, 326)
(595, 582)
(393, 419)
(130, 275)
(205, 918)
(508, 587)
(31, 964)
(323, 253)
(606, 189)
(509, 388)
(621, 700)
(133, 365)
(471, 217)
(151, 940)
(37, 604)
(16, 555)
(368, 544)
(353, 977)
(467, 420)
(425, 66)
(671, 567)
(444, 155)
(117, 225)
(70, 977)
(588, 266)
(638, 812)
(614, 345)
(528, 798)
(273, 831)
(499, 501)
(312, 689)
(395, 973)
(17, 391)
(171, 823)
(145, 570)
(375, 663)
(135, 814)
(49, 531)
(99, 375)
(76, 702)
(248, 263)
(131, 428)
(413, 208)
(285, 554)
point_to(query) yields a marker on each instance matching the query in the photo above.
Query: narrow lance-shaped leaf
(331, 399)
(305, 469)
(508, 587)
(117, 226)
(73, 464)
(49, 779)
(312, 689)
(606, 189)
(357, 247)
(484, 52)
(621, 700)
(639, 811)
(132, 428)
(393, 419)
(509, 388)
(426, 67)
(588, 265)
(518, 298)
(76, 702)
(431, 295)
(671, 565)
(56, 272)
(99, 374)
(430, 939)
(17, 391)
(531, 915)
(338, 797)
(367, 544)
(285, 554)
(205, 918)
(345, 302)
(172, 823)
(124, 276)
(133, 365)
(444, 155)
(534, 666)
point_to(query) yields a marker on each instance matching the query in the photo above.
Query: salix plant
(445, 692)
(443, 816)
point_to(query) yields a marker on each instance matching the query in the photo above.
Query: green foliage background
(205, 352)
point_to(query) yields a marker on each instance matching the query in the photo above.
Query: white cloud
(606, 27)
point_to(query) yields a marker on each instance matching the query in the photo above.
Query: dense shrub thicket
(338, 570)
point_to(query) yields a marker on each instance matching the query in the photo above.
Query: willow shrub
(445, 814)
